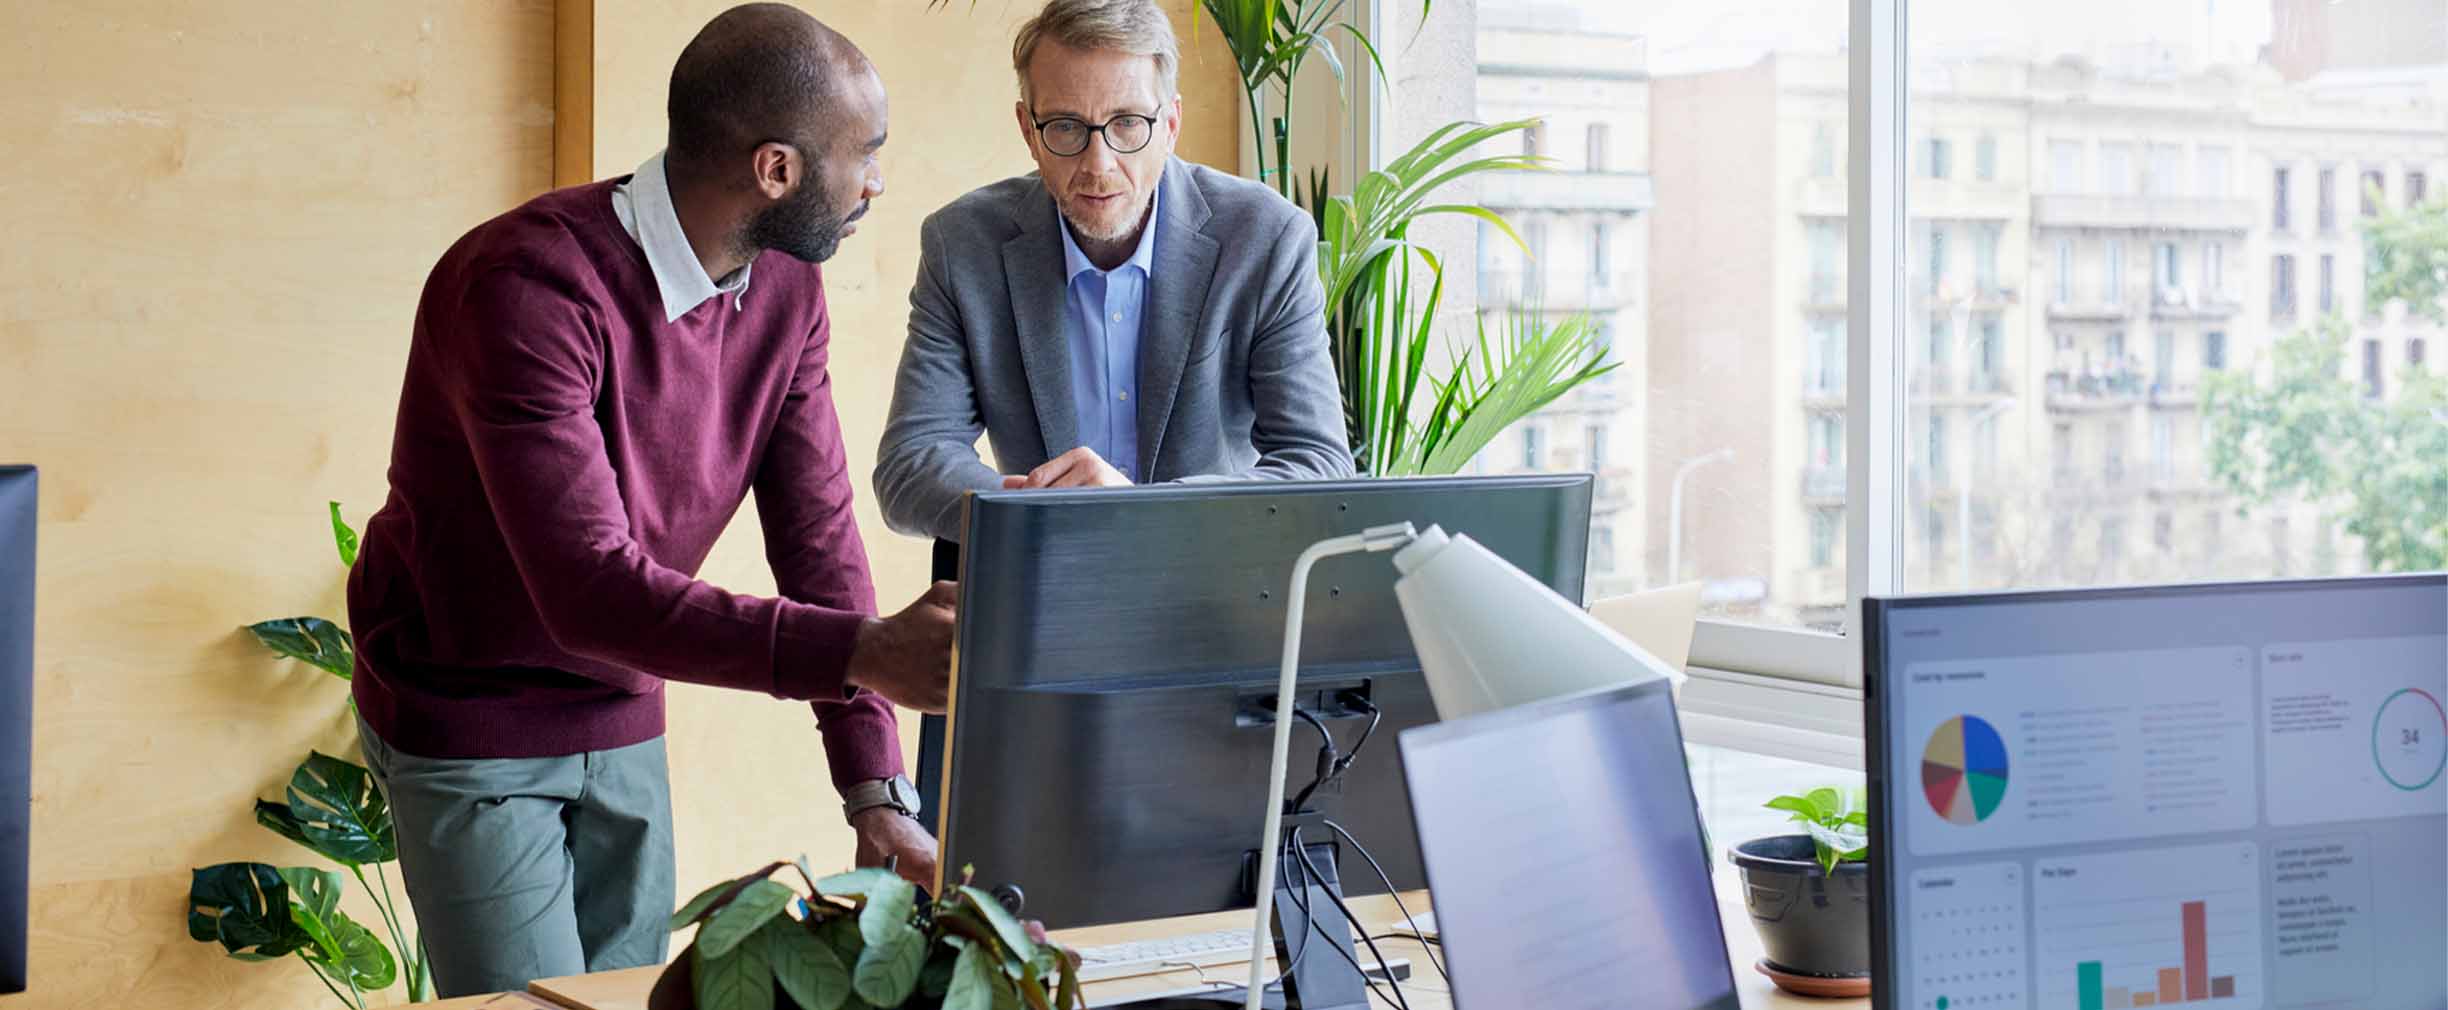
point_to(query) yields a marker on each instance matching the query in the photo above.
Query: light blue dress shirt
(1106, 307)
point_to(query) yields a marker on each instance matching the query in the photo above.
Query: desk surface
(626, 990)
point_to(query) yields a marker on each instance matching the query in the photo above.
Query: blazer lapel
(1177, 300)
(1033, 275)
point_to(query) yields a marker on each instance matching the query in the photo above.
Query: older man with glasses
(1117, 317)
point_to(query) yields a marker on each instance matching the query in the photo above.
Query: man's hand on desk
(907, 657)
(1080, 467)
(885, 833)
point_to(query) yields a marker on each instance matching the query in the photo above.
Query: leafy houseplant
(1809, 894)
(257, 912)
(1838, 822)
(860, 939)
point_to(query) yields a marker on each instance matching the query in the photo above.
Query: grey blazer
(1235, 378)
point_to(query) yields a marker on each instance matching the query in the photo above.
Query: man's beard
(1122, 226)
(804, 226)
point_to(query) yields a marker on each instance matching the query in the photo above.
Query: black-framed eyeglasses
(1065, 136)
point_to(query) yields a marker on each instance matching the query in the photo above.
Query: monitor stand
(1321, 978)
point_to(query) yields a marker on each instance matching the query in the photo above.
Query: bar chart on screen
(2161, 927)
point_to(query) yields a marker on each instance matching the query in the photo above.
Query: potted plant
(258, 912)
(1809, 894)
(862, 940)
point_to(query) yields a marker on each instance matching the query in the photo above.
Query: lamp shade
(1489, 636)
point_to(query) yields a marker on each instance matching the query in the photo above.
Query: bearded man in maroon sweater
(596, 381)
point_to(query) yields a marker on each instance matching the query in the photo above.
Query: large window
(1962, 340)
(2113, 440)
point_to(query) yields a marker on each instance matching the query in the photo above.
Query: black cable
(1391, 892)
(1300, 900)
(1327, 763)
(1375, 715)
(1398, 1000)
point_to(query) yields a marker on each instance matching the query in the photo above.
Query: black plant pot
(1810, 923)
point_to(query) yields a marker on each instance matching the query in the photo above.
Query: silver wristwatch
(897, 792)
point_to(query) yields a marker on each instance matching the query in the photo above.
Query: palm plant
(1383, 289)
(1381, 321)
(1270, 41)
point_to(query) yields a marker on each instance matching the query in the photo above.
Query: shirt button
(1117, 317)
(1124, 396)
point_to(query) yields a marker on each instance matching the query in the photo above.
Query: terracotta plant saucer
(1815, 985)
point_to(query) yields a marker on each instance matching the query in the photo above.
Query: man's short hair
(1137, 27)
(757, 72)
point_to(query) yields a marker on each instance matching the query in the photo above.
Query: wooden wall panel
(218, 221)
(218, 218)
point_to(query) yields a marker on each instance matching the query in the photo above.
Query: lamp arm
(1379, 538)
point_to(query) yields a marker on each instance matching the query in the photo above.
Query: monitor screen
(1118, 656)
(17, 500)
(2219, 795)
(1564, 848)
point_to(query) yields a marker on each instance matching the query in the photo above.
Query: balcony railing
(1610, 191)
(2153, 213)
(2117, 386)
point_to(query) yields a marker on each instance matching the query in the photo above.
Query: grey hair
(1137, 27)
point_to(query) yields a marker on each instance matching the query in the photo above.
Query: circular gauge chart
(2410, 739)
(1963, 770)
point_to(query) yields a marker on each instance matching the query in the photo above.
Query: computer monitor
(2229, 795)
(1616, 898)
(1111, 723)
(17, 500)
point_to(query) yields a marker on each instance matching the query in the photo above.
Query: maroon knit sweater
(564, 460)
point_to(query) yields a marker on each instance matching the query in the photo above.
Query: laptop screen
(2219, 795)
(1564, 853)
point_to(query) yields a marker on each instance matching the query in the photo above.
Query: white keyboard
(1163, 954)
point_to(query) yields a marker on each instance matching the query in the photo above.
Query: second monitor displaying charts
(2232, 797)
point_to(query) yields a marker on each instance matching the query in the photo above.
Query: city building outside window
(1823, 150)
(2065, 271)
(2417, 186)
(2328, 283)
(2214, 179)
(2279, 216)
(1985, 258)
(1602, 274)
(2282, 286)
(2065, 167)
(1984, 159)
(2214, 351)
(2116, 169)
(2374, 186)
(2372, 381)
(1937, 259)
(1940, 152)
(2326, 198)
(2414, 353)
(2115, 288)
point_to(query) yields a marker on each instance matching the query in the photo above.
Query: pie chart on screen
(1963, 770)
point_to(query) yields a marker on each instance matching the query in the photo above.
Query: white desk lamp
(1488, 636)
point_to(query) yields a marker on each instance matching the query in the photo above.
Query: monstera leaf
(334, 809)
(245, 908)
(312, 640)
